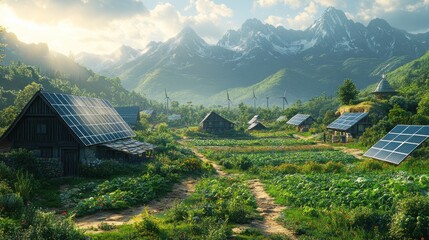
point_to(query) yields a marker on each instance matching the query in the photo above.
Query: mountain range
(262, 58)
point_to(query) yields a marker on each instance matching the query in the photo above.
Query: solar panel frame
(298, 119)
(346, 121)
(399, 143)
(92, 120)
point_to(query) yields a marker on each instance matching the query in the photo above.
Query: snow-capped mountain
(322, 56)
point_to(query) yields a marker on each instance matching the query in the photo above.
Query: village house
(73, 130)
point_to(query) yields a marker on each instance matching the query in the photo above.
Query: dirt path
(180, 191)
(267, 208)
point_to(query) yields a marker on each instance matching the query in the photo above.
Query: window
(41, 128)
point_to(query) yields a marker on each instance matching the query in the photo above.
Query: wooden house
(131, 114)
(213, 122)
(350, 125)
(302, 122)
(74, 130)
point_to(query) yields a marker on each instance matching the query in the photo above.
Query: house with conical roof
(383, 89)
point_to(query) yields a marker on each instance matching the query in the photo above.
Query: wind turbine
(254, 99)
(167, 99)
(268, 106)
(284, 99)
(228, 99)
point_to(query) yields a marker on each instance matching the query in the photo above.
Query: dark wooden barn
(131, 115)
(213, 122)
(74, 130)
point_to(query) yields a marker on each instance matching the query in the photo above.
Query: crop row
(276, 158)
(250, 142)
(380, 191)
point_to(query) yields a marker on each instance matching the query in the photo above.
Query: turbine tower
(268, 105)
(228, 99)
(167, 99)
(284, 99)
(254, 99)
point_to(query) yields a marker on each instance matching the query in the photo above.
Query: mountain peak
(379, 23)
(333, 16)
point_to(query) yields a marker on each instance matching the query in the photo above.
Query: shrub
(312, 167)
(8, 227)
(334, 167)
(287, 168)
(368, 219)
(148, 226)
(411, 221)
(24, 185)
(11, 204)
(243, 163)
(369, 165)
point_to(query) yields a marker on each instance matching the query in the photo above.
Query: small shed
(131, 115)
(73, 130)
(302, 122)
(350, 124)
(256, 126)
(383, 89)
(213, 122)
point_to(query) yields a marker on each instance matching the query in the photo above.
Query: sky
(102, 26)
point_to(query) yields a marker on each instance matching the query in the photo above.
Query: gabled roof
(91, 120)
(298, 119)
(346, 121)
(254, 119)
(214, 114)
(256, 125)
(129, 114)
(384, 87)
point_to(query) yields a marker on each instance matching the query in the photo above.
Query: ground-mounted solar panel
(346, 121)
(298, 119)
(400, 142)
(93, 120)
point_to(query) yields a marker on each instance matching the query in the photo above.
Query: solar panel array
(346, 121)
(398, 143)
(298, 119)
(93, 120)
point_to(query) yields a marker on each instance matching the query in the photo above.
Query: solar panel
(298, 119)
(253, 120)
(93, 120)
(400, 142)
(346, 121)
(129, 114)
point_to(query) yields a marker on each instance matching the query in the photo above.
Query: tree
(347, 92)
(26, 94)
(423, 107)
(1, 46)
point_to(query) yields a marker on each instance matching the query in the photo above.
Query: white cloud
(303, 19)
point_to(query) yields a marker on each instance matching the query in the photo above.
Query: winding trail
(267, 208)
(180, 192)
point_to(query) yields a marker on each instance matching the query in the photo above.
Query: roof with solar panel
(298, 119)
(346, 121)
(399, 143)
(129, 114)
(92, 120)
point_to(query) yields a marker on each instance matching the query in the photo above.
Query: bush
(411, 221)
(368, 219)
(24, 185)
(369, 165)
(287, 168)
(312, 167)
(11, 205)
(148, 226)
(334, 167)
(243, 163)
(108, 168)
